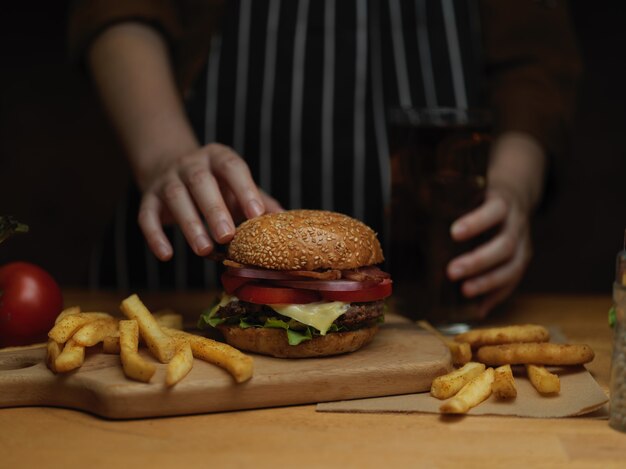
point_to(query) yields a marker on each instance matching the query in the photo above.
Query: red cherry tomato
(377, 292)
(266, 295)
(30, 301)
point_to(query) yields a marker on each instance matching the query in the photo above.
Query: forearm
(131, 69)
(518, 164)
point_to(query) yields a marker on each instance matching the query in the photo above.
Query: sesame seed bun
(274, 342)
(305, 240)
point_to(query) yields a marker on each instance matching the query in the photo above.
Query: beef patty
(358, 314)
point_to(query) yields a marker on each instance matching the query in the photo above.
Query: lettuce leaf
(293, 337)
(207, 317)
(244, 324)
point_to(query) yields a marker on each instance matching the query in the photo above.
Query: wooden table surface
(299, 436)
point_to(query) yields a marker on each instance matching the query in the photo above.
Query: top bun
(305, 240)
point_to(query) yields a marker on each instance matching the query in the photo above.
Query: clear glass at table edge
(617, 394)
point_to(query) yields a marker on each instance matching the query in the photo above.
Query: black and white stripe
(297, 97)
(425, 60)
(399, 54)
(360, 88)
(328, 97)
(267, 100)
(241, 90)
(456, 65)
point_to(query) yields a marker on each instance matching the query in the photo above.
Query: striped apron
(301, 89)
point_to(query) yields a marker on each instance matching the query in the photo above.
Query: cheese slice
(318, 315)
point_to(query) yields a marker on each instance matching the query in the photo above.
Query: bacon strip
(326, 275)
(364, 273)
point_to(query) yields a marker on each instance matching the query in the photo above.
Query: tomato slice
(266, 295)
(377, 292)
(232, 282)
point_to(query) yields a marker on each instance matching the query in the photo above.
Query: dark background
(62, 171)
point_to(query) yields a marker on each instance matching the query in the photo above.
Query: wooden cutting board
(401, 359)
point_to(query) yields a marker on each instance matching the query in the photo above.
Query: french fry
(168, 318)
(504, 335)
(472, 394)
(68, 325)
(239, 365)
(160, 344)
(448, 385)
(461, 351)
(532, 353)
(111, 344)
(67, 312)
(180, 364)
(165, 318)
(75, 330)
(542, 380)
(503, 386)
(71, 357)
(95, 331)
(134, 366)
(53, 350)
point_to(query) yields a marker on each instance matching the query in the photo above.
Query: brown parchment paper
(580, 395)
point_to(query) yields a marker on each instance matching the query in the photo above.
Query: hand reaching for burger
(212, 183)
(181, 181)
(515, 181)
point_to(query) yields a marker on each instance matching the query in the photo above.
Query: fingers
(150, 224)
(494, 252)
(178, 199)
(497, 263)
(271, 204)
(213, 185)
(489, 214)
(493, 269)
(497, 210)
(228, 167)
(208, 198)
(506, 275)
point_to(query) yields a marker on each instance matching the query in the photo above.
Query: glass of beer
(439, 161)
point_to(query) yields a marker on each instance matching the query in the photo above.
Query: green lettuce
(207, 317)
(294, 337)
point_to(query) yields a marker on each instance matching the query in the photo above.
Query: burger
(301, 283)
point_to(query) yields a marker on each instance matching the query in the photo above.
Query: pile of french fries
(162, 333)
(476, 352)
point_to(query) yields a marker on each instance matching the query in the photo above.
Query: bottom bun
(274, 342)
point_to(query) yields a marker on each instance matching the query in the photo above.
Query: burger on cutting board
(301, 283)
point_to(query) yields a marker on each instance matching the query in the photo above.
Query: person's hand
(495, 268)
(212, 184)
(181, 182)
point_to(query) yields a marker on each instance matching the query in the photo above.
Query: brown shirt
(530, 54)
